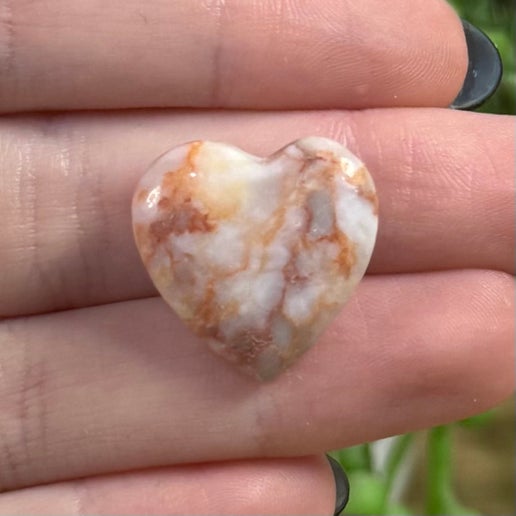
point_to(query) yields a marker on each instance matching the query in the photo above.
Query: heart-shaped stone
(257, 255)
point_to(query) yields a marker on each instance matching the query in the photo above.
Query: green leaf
(478, 420)
(367, 494)
(396, 509)
(354, 458)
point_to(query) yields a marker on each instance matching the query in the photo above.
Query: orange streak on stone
(245, 348)
(372, 198)
(177, 213)
(361, 182)
(181, 219)
(178, 184)
(206, 315)
(346, 258)
(142, 195)
(144, 243)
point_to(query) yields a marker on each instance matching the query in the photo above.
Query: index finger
(279, 54)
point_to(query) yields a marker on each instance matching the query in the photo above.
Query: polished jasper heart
(256, 255)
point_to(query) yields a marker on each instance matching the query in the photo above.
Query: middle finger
(446, 195)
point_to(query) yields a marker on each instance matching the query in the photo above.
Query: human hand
(107, 404)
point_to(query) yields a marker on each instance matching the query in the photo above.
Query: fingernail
(341, 483)
(484, 69)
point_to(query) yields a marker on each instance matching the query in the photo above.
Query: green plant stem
(395, 459)
(355, 458)
(441, 500)
(439, 470)
(368, 456)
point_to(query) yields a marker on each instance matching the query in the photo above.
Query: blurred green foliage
(496, 19)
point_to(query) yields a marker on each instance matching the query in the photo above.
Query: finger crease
(24, 410)
(218, 9)
(6, 37)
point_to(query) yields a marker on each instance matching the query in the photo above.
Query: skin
(108, 405)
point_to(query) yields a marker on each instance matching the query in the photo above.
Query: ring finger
(126, 386)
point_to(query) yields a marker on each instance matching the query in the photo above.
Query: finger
(446, 190)
(273, 486)
(125, 386)
(277, 54)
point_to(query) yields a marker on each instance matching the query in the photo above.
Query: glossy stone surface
(256, 255)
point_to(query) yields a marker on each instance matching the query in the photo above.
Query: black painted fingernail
(484, 69)
(341, 483)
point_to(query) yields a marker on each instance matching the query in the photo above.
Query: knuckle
(23, 388)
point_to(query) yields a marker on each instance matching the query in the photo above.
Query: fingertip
(416, 56)
(287, 54)
(438, 53)
(451, 56)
